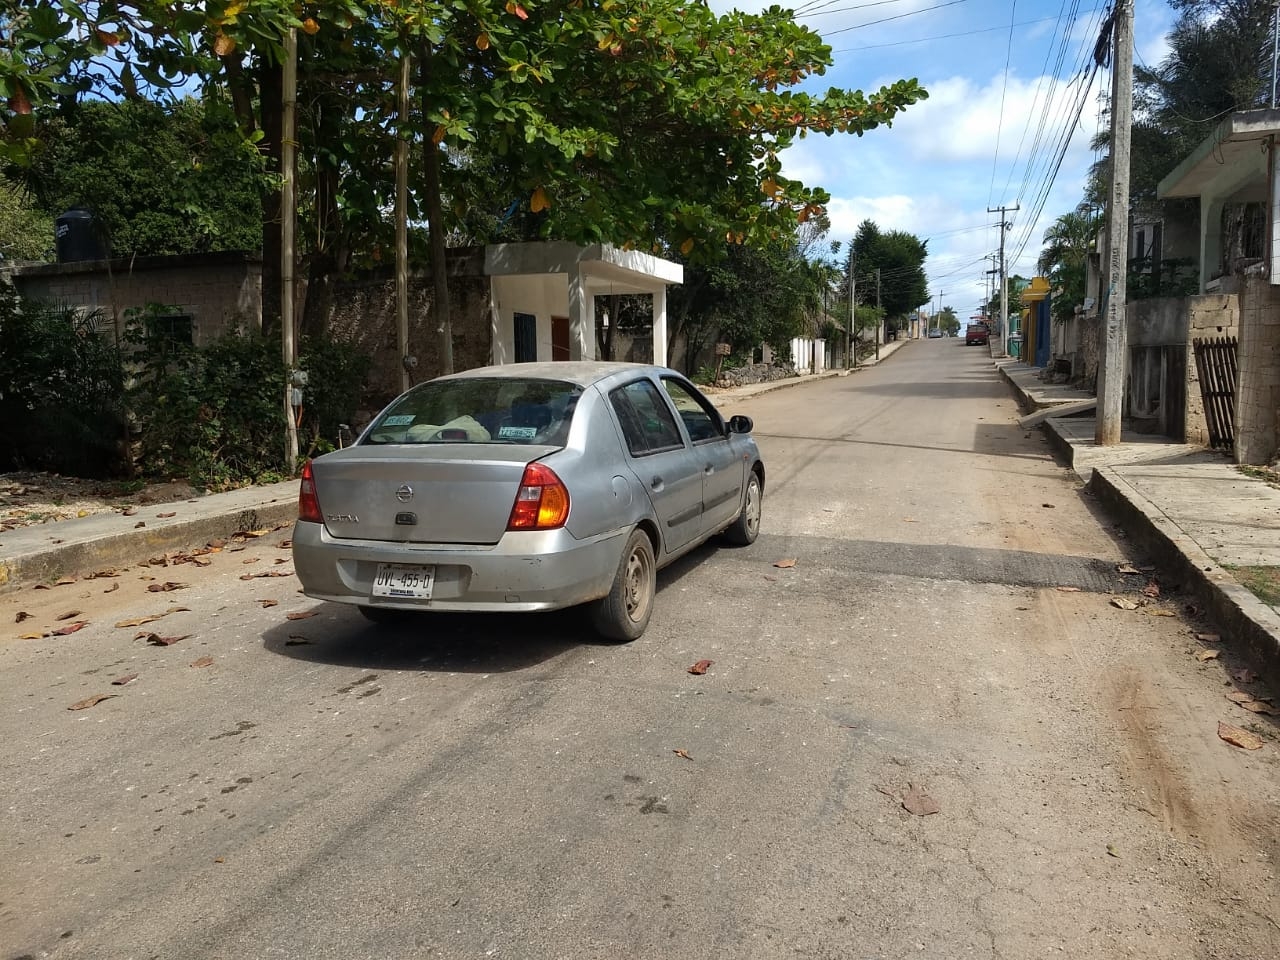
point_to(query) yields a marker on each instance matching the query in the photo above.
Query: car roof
(580, 372)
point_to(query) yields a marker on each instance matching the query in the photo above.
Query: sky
(1001, 99)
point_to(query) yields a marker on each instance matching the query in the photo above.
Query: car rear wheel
(746, 528)
(625, 612)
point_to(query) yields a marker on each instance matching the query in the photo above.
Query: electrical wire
(1004, 89)
(950, 36)
(900, 16)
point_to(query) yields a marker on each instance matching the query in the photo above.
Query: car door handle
(709, 469)
(655, 483)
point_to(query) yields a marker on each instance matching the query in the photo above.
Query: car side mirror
(740, 424)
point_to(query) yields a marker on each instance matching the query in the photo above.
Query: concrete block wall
(219, 291)
(1208, 315)
(1258, 387)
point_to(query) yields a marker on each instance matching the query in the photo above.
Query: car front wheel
(625, 612)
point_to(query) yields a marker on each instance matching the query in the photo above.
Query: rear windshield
(480, 410)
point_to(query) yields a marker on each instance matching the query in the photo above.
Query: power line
(951, 36)
(901, 16)
(1004, 88)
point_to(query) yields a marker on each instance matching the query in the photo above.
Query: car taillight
(308, 502)
(542, 502)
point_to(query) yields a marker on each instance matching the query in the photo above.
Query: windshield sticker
(399, 420)
(517, 433)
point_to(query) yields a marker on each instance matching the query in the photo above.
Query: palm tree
(1065, 255)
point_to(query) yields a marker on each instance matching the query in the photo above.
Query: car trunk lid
(440, 493)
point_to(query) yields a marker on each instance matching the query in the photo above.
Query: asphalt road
(507, 787)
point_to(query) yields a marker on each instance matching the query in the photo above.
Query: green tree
(26, 232)
(161, 179)
(899, 257)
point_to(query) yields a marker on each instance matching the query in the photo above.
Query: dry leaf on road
(202, 662)
(268, 603)
(156, 640)
(266, 573)
(166, 516)
(1204, 655)
(699, 668)
(139, 621)
(31, 636)
(916, 801)
(121, 681)
(682, 753)
(1239, 738)
(71, 628)
(1151, 589)
(1238, 696)
(112, 588)
(1158, 612)
(1127, 569)
(166, 587)
(304, 615)
(788, 562)
(1124, 603)
(1244, 675)
(22, 615)
(248, 560)
(88, 702)
(1067, 589)
(1209, 637)
(68, 615)
(1261, 706)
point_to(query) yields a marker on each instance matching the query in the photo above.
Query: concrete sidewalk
(46, 552)
(1189, 509)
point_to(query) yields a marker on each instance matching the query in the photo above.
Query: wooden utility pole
(402, 222)
(1114, 348)
(288, 222)
(1004, 284)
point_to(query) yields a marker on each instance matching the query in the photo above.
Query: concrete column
(1257, 413)
(1210, 238)
(660, 326)
(582, 326)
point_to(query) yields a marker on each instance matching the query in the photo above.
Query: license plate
(404, 581)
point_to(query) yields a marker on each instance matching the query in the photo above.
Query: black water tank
(78, 236)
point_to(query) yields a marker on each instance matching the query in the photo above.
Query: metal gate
(1216, 365)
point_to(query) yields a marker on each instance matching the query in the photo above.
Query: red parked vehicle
(976, 333)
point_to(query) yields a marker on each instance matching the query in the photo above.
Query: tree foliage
(1064, 258)
(26, 232)
(899, 257)
(160, 178)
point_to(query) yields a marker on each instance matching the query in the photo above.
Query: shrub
(60, 390)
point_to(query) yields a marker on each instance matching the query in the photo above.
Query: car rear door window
(646, 420)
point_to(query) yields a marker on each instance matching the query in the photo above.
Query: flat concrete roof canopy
(1230, 162)
(628, 271)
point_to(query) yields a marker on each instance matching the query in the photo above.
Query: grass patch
(1262, 582)
(1265, 474)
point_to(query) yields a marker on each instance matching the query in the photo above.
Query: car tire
(623, 614)
(384, 615)
(743, 531)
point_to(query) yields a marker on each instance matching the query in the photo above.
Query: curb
(1248, 622)
(127, 547)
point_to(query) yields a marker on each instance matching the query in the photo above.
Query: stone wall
(755, 373)
(363, 314)
(1257, 411)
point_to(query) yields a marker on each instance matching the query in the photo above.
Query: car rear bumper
(524, 571)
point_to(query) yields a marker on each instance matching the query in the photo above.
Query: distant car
(976, 333)
(935, 334)
(527, 487)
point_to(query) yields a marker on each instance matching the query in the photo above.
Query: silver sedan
(527, 487)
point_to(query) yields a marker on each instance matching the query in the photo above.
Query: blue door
(1041, 358)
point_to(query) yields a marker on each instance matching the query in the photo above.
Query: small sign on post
(722, 351)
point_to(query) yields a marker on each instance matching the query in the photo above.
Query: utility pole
(1111, 366)
(402, 221)
(879, 316)
(1004, 285)
(853, 300)
(288, 222)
